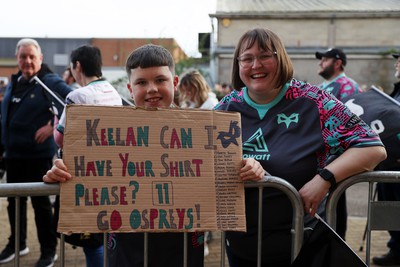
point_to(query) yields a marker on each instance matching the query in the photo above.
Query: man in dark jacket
(26, 135)
(391, 192)
(396, 91)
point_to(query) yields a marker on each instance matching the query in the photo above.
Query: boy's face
(152, 87)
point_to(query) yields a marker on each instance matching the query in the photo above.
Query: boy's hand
(251, 170)
(58, 173)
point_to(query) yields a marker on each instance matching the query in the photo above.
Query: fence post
(297, 204)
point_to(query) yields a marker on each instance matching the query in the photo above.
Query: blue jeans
(94, 256)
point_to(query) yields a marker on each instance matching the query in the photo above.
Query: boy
(152, 84)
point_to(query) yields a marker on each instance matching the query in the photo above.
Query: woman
(296, 129)
(194, 91)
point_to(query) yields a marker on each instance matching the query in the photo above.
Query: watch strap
(327, 175)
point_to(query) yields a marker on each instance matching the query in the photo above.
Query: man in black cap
(391, 192)
(331, 64)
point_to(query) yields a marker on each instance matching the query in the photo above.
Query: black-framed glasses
(247, 61)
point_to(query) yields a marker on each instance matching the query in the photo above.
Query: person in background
(226, 88)
(194, 92)
(69, 78)
(332, 63)
(391, 192)
(86, 63)
(3, 87)
(27, 138)
(288, 124)
(396, 90)
(222, 90)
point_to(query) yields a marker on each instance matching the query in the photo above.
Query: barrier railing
(298, 211)
(376, 209)
(25, 190)
(42, 189)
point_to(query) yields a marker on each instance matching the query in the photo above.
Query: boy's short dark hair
(148, 56)
(90, 59)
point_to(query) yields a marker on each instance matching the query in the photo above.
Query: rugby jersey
(99, 92)
(292, 137)
(341, 87)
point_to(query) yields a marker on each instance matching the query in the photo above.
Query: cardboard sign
(137, 170)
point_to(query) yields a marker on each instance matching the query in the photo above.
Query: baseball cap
(396, 56)
(332, 53)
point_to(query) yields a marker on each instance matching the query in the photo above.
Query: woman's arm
(351, 162)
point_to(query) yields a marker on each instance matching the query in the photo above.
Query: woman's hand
(58, 173)
(251, 170)
(312, 193)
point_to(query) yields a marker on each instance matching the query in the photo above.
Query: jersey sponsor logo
(257, 157)
(282, 118)
(230, 137)
(256, 143)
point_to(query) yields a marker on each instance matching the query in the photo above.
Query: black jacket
(396, 92)
(18, 128)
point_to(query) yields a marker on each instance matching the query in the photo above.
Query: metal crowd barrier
(25, 190)
(298, 212)
(42, 189)
(380, 213)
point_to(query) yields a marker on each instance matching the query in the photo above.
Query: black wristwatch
(328, 176)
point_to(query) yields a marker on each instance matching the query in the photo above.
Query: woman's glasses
(247, 61)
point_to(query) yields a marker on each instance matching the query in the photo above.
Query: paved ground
(356, 199)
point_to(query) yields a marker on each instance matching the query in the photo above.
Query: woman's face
(258, 70)
(187, 92)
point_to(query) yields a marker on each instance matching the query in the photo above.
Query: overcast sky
(179, 19)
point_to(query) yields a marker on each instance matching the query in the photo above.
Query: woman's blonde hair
(193, 87)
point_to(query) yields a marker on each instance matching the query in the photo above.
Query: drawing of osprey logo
(288, 119)
(230, 137)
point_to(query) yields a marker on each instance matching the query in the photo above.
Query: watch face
(328, 176)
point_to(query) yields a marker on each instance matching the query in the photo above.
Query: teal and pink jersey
(292, 137)
(341, 86)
